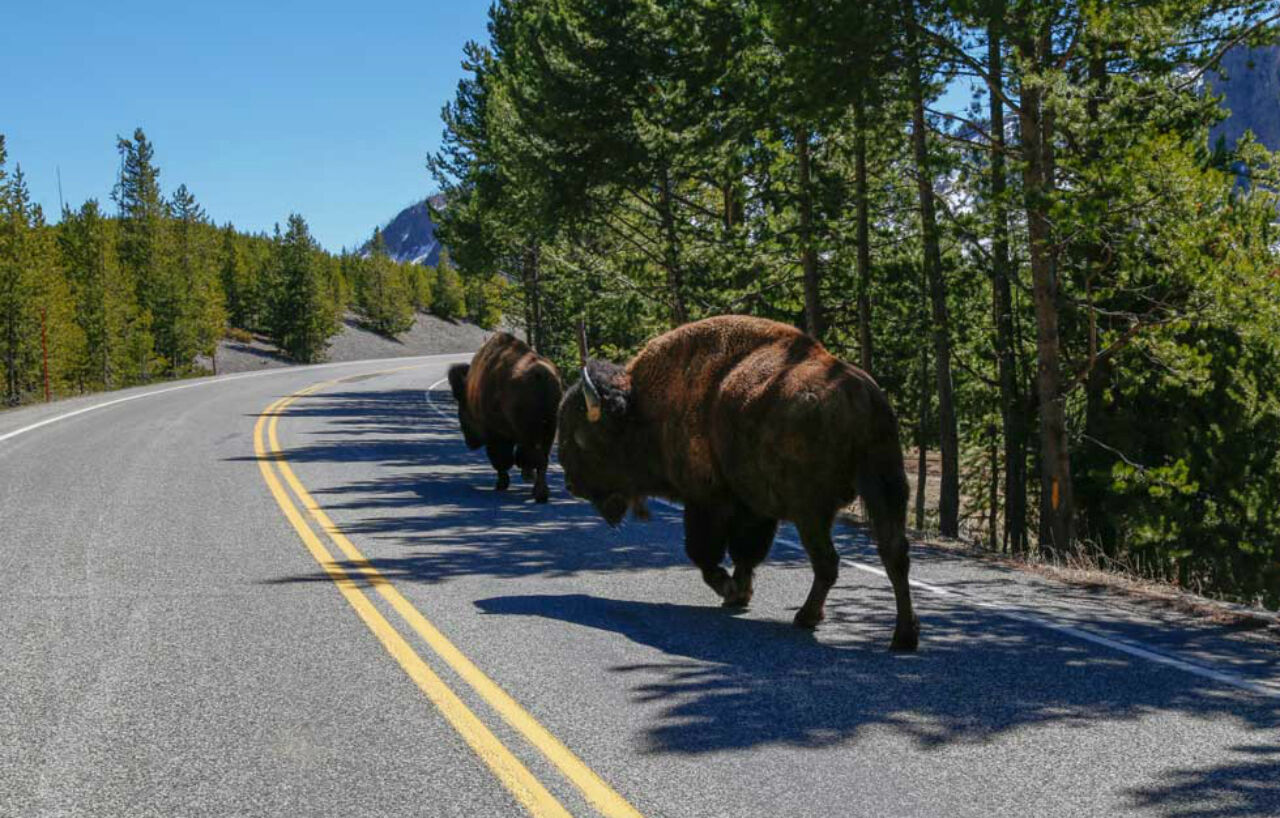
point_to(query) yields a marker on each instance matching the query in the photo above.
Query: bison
(746, 422)
(507, 401)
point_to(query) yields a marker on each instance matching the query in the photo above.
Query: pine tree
(484, 300)
(448, 295)
(102, 297)
(142, 215)
(195, 297)
(237, 288)
(302, 316)
(382, 292)
(19, 315)
(948, 426)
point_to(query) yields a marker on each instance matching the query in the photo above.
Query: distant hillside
(411, 235)
(429, 335)
(1250, 79)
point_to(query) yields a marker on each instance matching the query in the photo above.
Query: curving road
(294, 593)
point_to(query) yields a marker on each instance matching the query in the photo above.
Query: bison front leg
(705, 541)
(750, 538)
(816, 537)
(502, 456)
(538, 463)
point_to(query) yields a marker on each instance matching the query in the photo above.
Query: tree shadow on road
(429, 514)
(1247, 784)
(733, 682)
(433, 501)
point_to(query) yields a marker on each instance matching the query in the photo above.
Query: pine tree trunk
(671, 251)
(808, 255)
(863, 236)
(526, 285)
(726, 192)
(1092, 501)
(993, 498)
(1014, 428)
(1056, 501)
(922, 429)
(531, 270)
(949, 499)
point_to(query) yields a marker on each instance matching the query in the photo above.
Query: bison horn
(582, 342)
(591, 396)
(589, 392)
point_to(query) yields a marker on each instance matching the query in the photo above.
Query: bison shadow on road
(729, 682)
(429, 515)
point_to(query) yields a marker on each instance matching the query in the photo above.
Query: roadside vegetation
(143, 287)
(1071, 294)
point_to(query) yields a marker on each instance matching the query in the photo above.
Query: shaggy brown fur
(507, 398)
(747, 422)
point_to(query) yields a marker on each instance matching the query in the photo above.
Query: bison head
(458, 385)
(597, 432)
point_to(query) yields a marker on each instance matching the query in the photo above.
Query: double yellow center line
(509, 770)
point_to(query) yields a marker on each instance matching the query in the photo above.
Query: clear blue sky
(261, 108)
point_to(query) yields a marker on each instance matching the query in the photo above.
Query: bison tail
(885, 492)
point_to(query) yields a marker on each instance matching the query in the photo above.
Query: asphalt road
(226, 598)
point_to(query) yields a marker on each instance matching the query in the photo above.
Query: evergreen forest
(1069, 291)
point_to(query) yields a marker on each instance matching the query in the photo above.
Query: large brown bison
(746, 422)
(507, 399)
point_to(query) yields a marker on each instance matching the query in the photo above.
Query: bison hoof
(738, 599)
(808, 619)
(906, 638)
(504, 480)
(541, 494)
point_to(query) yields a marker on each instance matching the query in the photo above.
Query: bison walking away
(507, 400)
(747, 422)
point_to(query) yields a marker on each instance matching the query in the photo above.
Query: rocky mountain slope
(411, 235)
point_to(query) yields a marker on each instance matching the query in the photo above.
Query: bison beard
(746, 422)
(507, 398)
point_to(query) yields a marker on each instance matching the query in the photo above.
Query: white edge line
(206, 381)
(1016, 614)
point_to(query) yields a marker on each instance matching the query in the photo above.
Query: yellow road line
(521, 783)
(598, 793)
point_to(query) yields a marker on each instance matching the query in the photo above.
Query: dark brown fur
(746, 422)
(507, 398)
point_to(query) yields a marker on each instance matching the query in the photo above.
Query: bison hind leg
(528, 469)
(541, 494)
(885, 498)
(815, 535)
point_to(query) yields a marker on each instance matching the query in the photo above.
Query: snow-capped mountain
(411, 235)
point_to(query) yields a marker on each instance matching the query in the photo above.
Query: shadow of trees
(727, 682)
(1247, 784)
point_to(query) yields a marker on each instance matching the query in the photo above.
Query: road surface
(295, 593)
